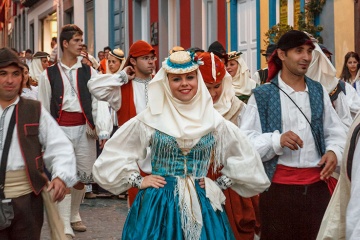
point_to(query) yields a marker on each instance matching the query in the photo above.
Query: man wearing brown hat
(26, 128)
(300, 139)
(126, 97)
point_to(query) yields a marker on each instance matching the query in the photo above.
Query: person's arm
(267, 144)
(242, 164)
(116, 169)
(106, 87)
(59, 157)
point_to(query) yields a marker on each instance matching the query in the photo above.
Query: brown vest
(27, 123)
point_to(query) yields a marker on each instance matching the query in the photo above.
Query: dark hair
(28, 82)
(107, 48)
(67, 33)
(54, 39)
(28, 51)
(345, 73)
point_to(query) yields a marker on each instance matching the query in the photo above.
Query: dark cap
(293, 39)
(41, 55)
(9, 57)
(269, 50)
(324, 49)
(218, 50)
(195, 49)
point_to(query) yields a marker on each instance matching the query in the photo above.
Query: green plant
(305, 23)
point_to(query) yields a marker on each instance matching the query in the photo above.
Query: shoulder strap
(5, 154)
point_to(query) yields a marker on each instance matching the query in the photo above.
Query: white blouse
(122, 153)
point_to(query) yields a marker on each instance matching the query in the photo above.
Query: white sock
(64, 208)
(77, 197)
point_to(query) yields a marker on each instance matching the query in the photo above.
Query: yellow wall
(343, 31)
(264, 26)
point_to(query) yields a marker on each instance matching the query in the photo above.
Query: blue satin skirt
(155, 214)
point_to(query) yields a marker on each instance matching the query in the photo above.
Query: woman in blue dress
(184, 135)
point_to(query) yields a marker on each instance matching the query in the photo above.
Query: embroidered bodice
(168, 159)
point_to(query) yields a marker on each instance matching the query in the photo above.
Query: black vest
(57, 92)
(27, 123)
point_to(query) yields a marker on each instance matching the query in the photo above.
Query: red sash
(71, 119)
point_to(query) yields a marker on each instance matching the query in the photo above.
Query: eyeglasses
(147, 58)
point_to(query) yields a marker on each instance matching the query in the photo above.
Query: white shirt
(108, 89)
(58, 155)
(268, 144)
(71, 103)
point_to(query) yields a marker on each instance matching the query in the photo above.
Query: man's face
(52, 44)
(296, 60)
(10, 84)
(74, 46)
(101, 55)
(144, 65)
(106, 53)
(28, 55)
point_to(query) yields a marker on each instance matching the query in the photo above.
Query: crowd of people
(202, 149)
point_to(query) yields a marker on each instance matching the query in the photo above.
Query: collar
(75, 66)
(12, 104)
(140, 80)
(286, 87)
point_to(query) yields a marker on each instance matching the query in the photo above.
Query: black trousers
(291, 212)
(28, 219)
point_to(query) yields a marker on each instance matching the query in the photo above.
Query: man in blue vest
(300, 139)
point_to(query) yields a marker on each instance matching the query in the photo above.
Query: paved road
(103, 217)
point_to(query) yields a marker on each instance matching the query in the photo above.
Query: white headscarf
(35, 69)
(182, 120)
(224, 102)
(322, 70)
(242, 82)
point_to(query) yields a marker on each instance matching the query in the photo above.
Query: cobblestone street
(104, 218)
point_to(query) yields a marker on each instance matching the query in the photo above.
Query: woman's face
(215, 90)
(113, 63)
(26, 76)
(44, 63)
(352, 65)
(183, 86)
(231, 67)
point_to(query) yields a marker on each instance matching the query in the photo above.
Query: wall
(343, 30)
(101, 25)
(264, 27)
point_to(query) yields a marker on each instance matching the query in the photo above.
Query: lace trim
(135, 179)
(123, 77)
(224, 182)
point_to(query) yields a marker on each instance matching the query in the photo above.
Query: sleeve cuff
(123, 77)
(224, 182)
(276, 143)
(103, 135)
(135, 179)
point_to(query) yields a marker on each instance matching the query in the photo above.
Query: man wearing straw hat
(26, 128)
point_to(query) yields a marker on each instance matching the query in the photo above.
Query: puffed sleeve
(242, 163)
(118, 160)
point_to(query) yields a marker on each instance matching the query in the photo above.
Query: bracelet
(135, 179)
(223, 182)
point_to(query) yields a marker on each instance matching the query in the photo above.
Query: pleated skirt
(155, 214)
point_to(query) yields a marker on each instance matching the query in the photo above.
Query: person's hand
(59, 188)
(329, 162)
(202, 183)
(153, 181)
(102, 143)
(291, 140)
(130, 72)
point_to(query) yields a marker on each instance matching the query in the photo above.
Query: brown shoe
(68, 236)
(90, 195)
(78, 226)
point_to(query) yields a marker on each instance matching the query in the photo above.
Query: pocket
(6, 213)
(39, 163)
(31, 129)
